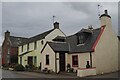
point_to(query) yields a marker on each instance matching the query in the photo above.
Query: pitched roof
(59, 46)
(87, 46)
(71, 44)
(37, 37)
(16, 41)
(85, 30)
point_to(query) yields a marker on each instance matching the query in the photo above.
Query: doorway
(30, 60)
(62, 61)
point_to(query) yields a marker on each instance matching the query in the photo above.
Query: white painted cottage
(96, 47)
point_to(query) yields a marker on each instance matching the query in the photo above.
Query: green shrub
(19, 67)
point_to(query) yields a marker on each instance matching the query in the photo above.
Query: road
(14, 74)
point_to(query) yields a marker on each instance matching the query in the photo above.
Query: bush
(13, 65)
(19, 67)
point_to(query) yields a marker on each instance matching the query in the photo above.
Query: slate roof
(59, 46)
(60, 37)
(16, 41)
(71, 42)
(37, 37)
(87, 46)
(85, 30)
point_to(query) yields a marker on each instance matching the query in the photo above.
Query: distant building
(10, 48)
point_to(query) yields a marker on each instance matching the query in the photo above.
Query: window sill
(80, 44)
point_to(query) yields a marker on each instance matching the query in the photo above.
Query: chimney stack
(105, 14)
(7, 34)
(105, 19)
(90, 27)
(56, 25)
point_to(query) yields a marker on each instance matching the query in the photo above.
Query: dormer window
(28, 47)
(22, 48)
(80, 39)
(59, 39)
(35, 44)
(42, 42)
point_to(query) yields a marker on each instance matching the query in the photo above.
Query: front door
(62, 61)
(30, 60)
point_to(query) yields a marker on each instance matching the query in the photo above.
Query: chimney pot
(7, 34)
(56, 25)
(90, 27)
(106, 12)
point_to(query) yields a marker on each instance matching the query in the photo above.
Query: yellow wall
(31, 46)
(54, 34)
(25, 57)
(37, 51)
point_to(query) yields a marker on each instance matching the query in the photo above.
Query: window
(20, 60)
(35, 60)
(82, 37)
(28, 47)
(22, 49)
(35, 45)
(75, 60)
(81, 41)
(42, 42)
(47, 59)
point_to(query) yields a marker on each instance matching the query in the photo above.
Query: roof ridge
(42, 33)
(18, 37)
(37, 37)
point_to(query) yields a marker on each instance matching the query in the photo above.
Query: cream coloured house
(30, 50)
(96, 47)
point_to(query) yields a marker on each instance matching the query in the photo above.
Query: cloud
(32, 18)
(0, 23)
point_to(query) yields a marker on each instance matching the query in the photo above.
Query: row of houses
(54, 50)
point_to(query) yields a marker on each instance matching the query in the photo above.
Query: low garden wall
(82, 72)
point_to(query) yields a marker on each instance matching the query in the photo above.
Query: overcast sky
(27, 19)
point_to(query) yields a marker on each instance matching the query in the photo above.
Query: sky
(0, 23)
(27, 19)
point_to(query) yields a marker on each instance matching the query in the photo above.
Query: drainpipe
(91, 59)
(55, 63)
